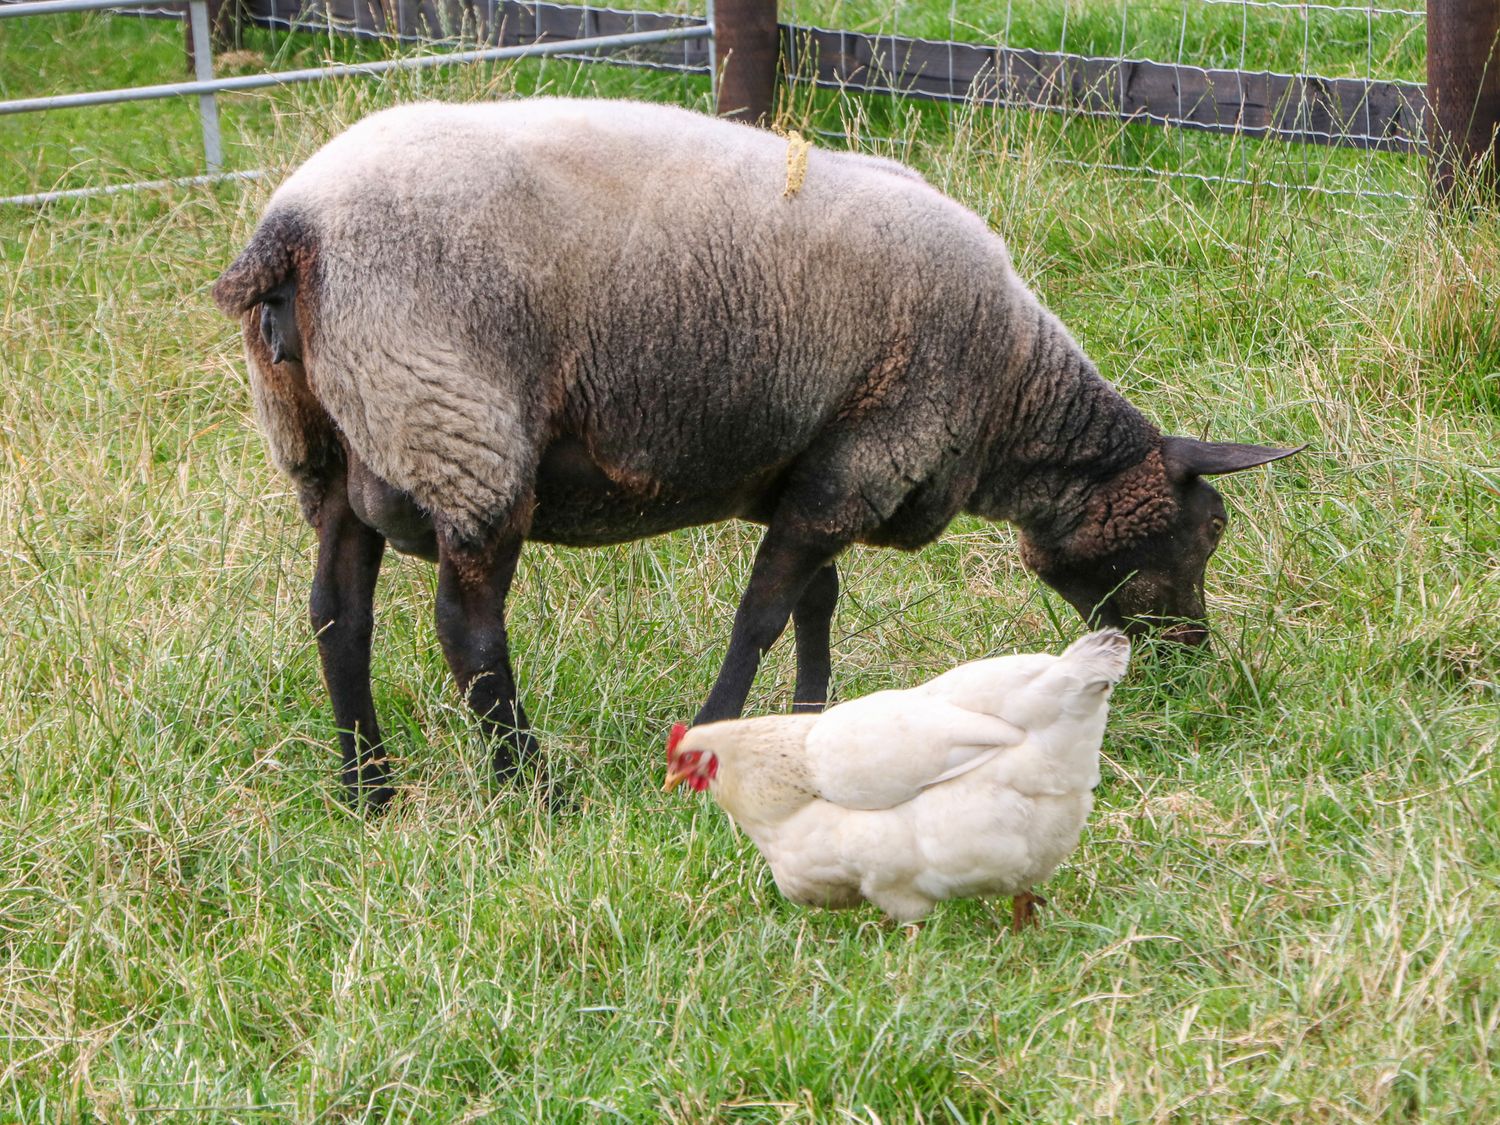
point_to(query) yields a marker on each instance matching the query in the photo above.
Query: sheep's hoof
(518, 757)
(525, 767)
(553, 797)
(369, 799)
(367, 787)
(377, 800)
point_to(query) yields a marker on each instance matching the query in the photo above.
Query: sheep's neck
(1061, 431)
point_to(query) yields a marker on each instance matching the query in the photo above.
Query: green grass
(1284, 908)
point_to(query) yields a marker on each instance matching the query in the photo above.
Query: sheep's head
(1138, 557)
(278, 323)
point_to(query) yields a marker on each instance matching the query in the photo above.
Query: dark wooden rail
(1352, 112)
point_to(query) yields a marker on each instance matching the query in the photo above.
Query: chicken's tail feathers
(1102, 656)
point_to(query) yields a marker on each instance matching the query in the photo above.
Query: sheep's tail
(269, 260)
(1102, 656)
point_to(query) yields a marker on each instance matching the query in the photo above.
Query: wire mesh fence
(492, 22)
(1323, 76)
(1167, 88)
(421, 37)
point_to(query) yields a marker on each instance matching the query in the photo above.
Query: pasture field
(1284, 908)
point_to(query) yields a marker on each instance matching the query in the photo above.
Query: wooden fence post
(1463, 90)
(746, 50)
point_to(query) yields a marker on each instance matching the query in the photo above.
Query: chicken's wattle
(702, 776)
(692, 767)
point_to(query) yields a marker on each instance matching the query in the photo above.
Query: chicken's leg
(1023, 911)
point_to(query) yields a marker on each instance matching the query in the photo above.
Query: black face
(278, 323)
(1156, 581)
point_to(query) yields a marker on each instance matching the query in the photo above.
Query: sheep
(586, 322)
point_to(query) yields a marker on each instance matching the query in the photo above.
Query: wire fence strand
(1249, 70)
(1245, 69)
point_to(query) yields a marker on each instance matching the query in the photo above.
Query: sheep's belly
(580, 518)
(579, 505)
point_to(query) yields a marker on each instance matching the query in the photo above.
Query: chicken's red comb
(678, 731)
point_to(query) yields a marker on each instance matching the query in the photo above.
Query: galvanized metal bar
(315, 74)
(37, 198)
(203, 70)
(46, 7)
(713, 52)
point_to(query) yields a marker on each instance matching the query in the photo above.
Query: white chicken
(975, 784)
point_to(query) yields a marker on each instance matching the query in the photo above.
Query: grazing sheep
(586, 322)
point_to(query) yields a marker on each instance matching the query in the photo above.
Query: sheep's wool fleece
(487, 278)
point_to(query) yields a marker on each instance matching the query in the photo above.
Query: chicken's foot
(1023, 911)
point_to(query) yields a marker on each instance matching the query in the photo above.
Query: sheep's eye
(1217, 525)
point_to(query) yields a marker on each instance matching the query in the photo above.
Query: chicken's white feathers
(1103, 655)
(1031, 689)
(917, 742)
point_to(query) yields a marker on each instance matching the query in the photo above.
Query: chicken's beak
(675, 775)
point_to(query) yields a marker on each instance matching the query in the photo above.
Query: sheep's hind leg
(785, 564)
(473, 584)
(813, 620)
(343, 616)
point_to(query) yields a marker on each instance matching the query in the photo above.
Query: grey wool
(585, 322)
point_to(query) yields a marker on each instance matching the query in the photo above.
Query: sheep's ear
(262, 265)
(1186, 457)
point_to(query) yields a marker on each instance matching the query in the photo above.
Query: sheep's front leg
(785, 564)
(813, 620)
(472, 587)
(343, 616)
